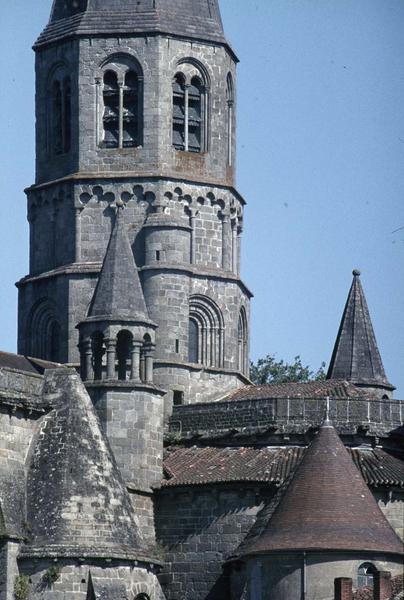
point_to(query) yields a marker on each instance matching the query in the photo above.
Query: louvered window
(121, 111)
(189, 111)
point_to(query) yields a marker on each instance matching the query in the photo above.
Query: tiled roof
(205, 465)
(336, 388)
(327, 506)
(356, 356)
(193, 466)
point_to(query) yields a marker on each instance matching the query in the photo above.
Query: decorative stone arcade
(124, 355)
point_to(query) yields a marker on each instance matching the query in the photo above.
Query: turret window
(190, 108)
(366, 573)
(121, 99)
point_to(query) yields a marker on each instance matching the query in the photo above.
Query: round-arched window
(366, 574)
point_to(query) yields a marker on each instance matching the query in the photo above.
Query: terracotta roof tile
(198, 466)
(336, 388)
(327, 506)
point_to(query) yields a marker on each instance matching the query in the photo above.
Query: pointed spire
(119, 295)
(327, 506)
(77, 501)
(356, 356)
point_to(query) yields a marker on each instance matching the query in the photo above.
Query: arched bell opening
(98, 349)
(124, 342)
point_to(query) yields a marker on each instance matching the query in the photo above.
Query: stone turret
(117, 345)
(356, 357)
(325, 525)
(117, 337)
(136, 104)
(79, 511)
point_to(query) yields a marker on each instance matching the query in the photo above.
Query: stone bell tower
(136, 104)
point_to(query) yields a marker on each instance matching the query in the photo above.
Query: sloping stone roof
(206, 465)
(195, 19)
(105, 589)
(336, 388)
(78, 504)
(119, 294)
(24, 363)
(356, 356)
(327, 506)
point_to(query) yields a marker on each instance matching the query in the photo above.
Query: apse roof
(327, 506)
(196, 19)
(205, 465)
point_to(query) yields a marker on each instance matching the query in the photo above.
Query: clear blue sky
(320, 162)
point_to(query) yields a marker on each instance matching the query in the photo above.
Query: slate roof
(335, 388)
(78, 504)
(196, 19)
(25, 363)
(327, 506)
(118, 294)
(207, 465)
(356, 356)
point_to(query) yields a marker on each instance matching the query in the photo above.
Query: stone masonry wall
(158, 58)
(290, 413)
(133, 421)
(199, 529)
(392, 505)
(198, 384)
(114, 580)
(8, 569)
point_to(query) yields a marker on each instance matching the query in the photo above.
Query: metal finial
(356, 273)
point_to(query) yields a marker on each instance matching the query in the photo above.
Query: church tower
(136, 106)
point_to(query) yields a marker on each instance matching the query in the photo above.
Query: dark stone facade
(150, 480)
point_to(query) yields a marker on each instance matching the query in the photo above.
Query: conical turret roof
(356, 356)
(119, 294)
(327, 506)
(78, 504)
(196, 19)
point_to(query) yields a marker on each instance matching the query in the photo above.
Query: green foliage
(21, 587)
(270, 370)
(51, 575)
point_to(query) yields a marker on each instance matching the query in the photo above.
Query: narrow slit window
(57, 123)
(130, 117)
(178, 398)
(193, 342)
(67, 112)
(195, 116)
(179, 112)
(111, 110)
